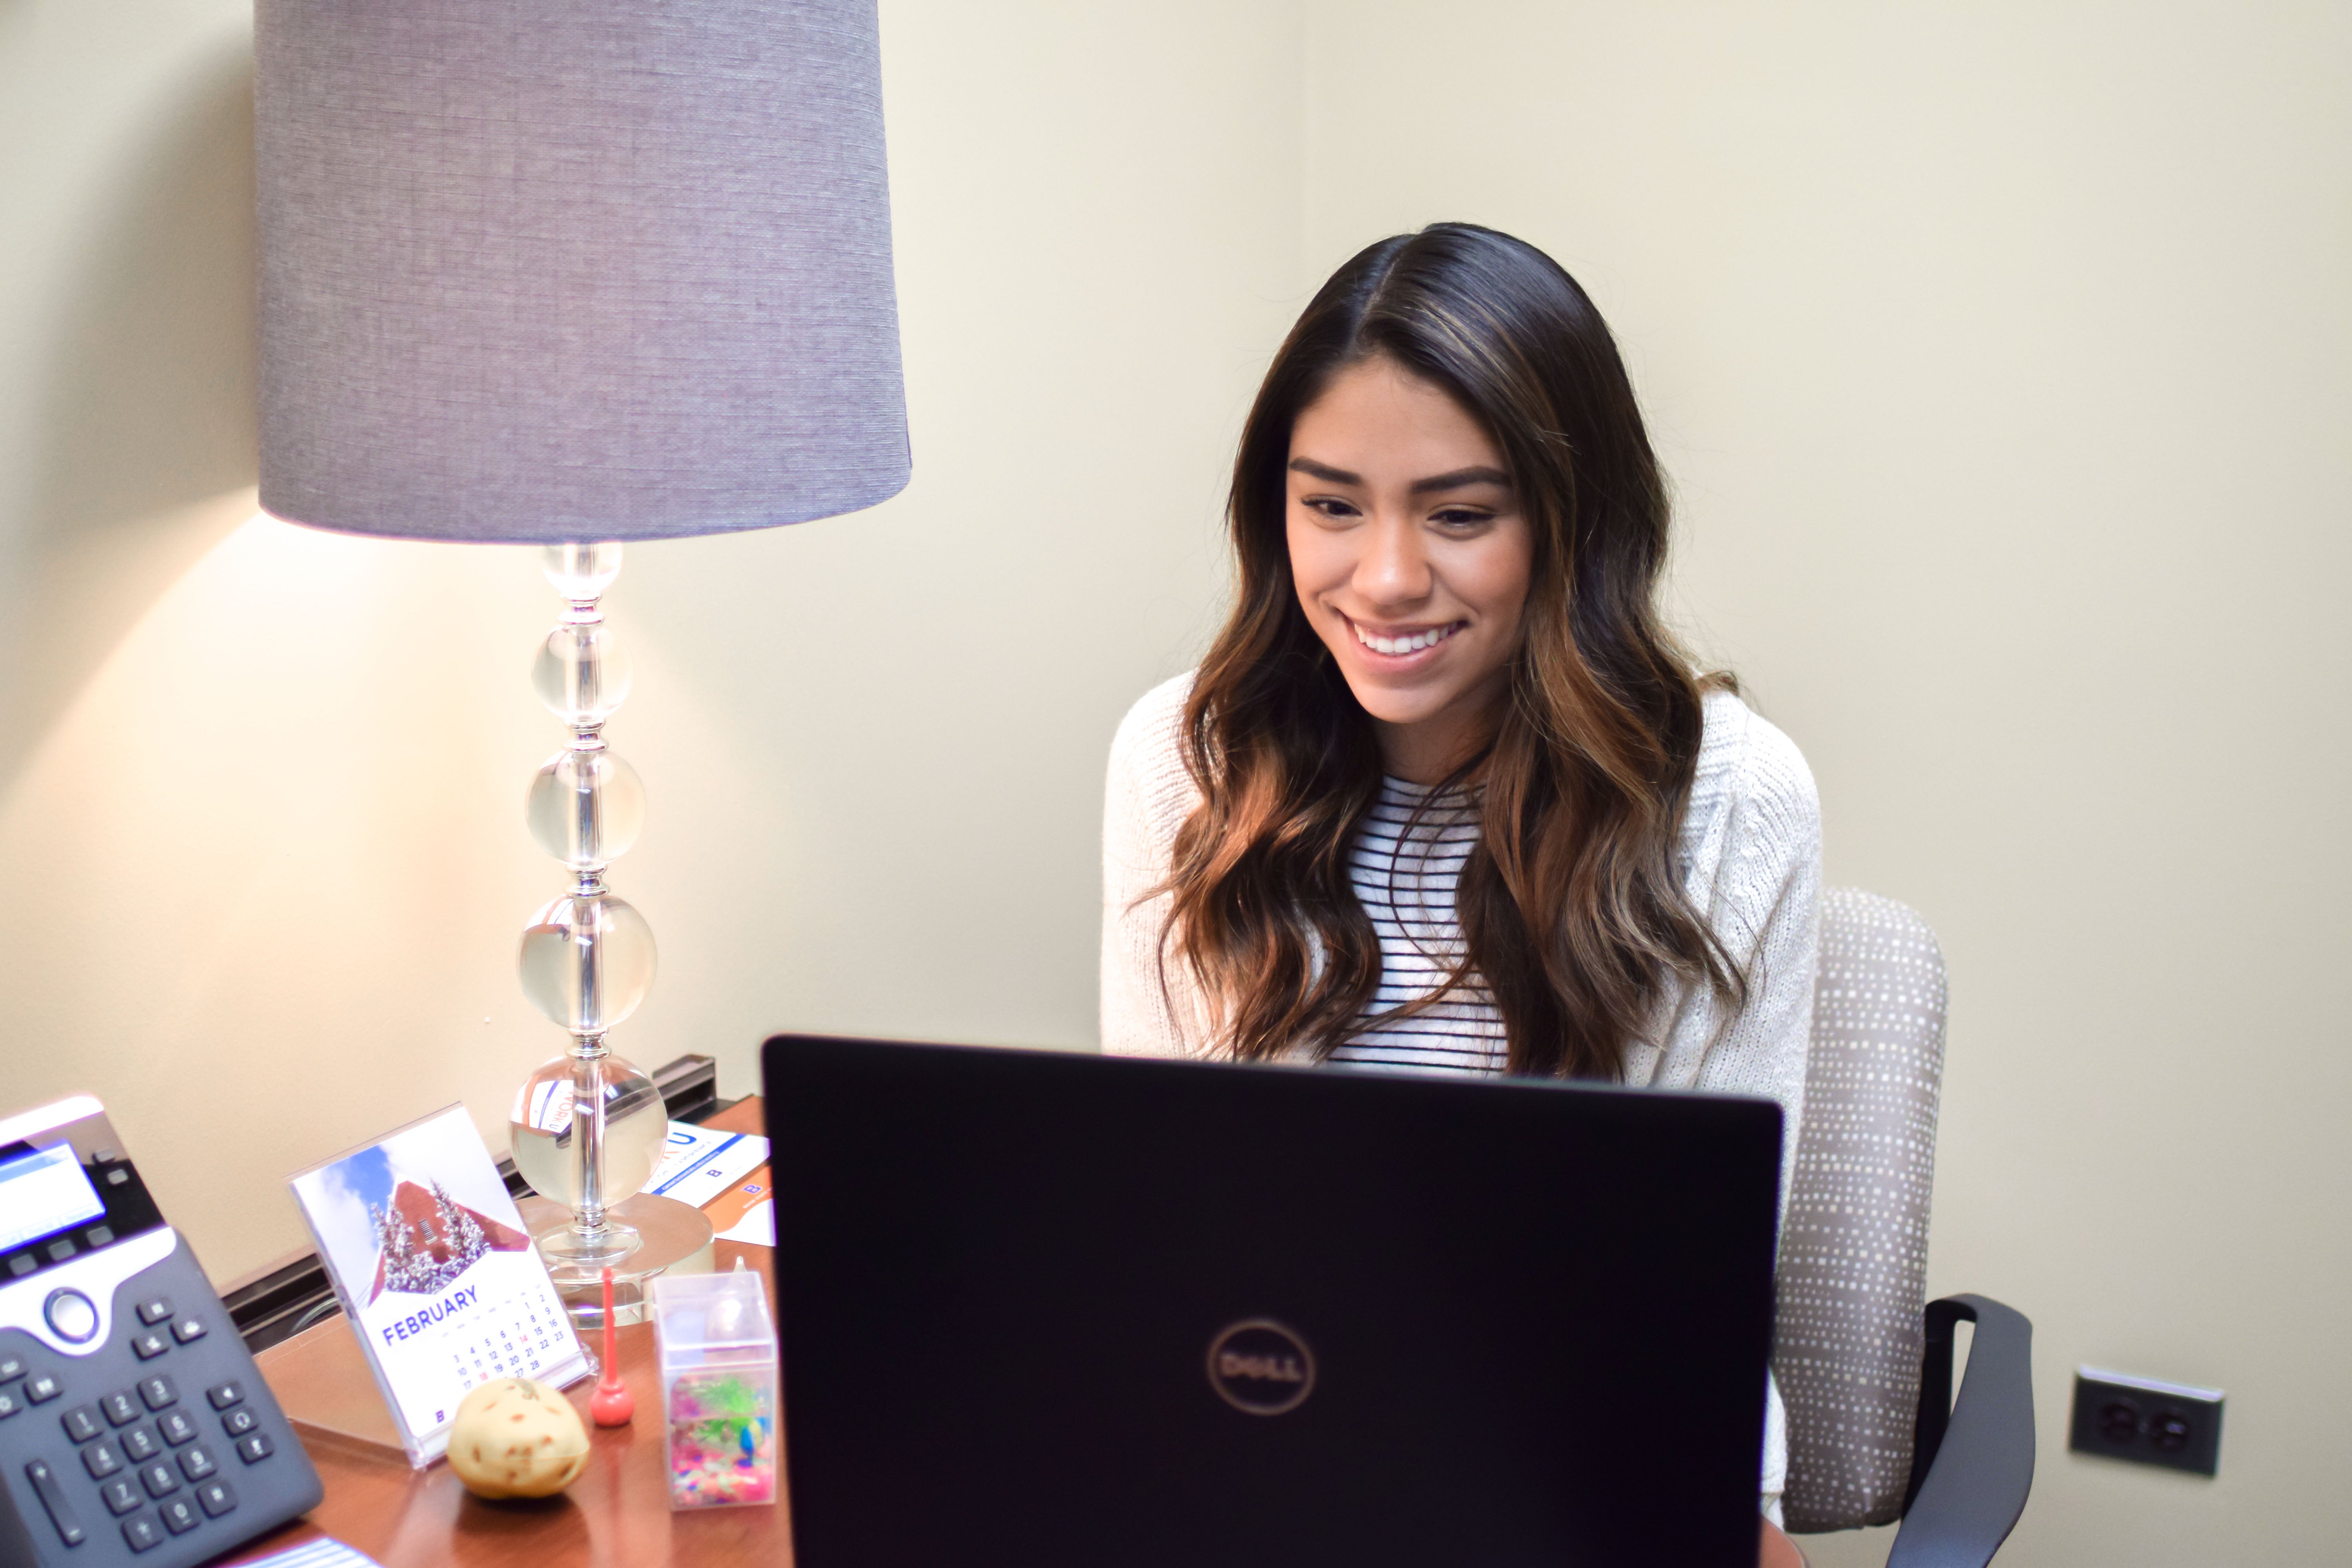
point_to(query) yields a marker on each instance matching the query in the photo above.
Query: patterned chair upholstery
(1853, 1249)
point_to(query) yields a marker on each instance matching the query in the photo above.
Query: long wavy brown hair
(1571, 905)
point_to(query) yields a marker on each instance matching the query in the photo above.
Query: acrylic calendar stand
(440, 1287)
(325, 1386)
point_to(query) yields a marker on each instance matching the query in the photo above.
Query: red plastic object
(612, 1405)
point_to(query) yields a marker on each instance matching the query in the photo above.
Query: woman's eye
(1458, 516)
(1330, 506)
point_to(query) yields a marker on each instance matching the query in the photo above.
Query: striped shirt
(1404, 863)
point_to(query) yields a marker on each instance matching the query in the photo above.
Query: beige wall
(2002, 356)
(262, 859)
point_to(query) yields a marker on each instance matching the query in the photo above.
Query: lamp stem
(588, 1054)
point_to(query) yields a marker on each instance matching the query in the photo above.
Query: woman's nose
(1395, 567)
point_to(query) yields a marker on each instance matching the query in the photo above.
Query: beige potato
(515, 1437)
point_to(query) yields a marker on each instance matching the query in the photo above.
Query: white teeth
(1413, 643)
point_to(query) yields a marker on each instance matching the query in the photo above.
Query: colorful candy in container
(719, 1388)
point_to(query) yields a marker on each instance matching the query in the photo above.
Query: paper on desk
(700, 1164)
(324, 1552)
(745, 1212)
(757, 1226)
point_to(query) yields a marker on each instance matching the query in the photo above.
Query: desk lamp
(570, 273)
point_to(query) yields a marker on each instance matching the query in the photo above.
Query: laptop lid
(1067, 1309)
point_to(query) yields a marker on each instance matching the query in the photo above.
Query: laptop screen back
(1063, 1310)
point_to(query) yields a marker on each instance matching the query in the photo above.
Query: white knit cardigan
(1750, 856)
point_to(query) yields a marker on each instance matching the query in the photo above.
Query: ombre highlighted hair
(1571, 906)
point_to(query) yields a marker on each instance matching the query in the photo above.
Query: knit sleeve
(1755, 874)
(1765, 908)
(1146, 1003)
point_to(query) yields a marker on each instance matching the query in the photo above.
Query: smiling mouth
(1408, 642)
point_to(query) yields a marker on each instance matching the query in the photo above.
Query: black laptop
(1059, 1310)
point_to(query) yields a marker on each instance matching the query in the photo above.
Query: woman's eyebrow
(1457, 479)
(1460, 477)
(1325, 473)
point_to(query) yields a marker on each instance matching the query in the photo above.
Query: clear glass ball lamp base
(665, 1235)
(586, 1129)
(640, 1235)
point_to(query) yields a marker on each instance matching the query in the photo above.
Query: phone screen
(42, 1191)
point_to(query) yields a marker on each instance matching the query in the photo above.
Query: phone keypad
(148, 1454)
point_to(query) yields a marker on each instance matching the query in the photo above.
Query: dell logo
(1258, 1366)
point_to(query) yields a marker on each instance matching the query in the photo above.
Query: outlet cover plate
(2147, 1420)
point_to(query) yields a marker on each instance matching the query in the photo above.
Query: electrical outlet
(2146, 1420)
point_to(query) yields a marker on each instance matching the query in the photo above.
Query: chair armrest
(1971, 1461)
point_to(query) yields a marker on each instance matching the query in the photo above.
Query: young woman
(1444, 794)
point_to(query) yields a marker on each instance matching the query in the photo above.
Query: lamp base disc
(672, 1237)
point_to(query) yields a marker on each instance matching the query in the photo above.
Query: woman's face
(1410, 558)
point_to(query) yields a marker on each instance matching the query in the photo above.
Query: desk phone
(133, 1427)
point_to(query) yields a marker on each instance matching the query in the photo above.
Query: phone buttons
(255, 1447)
(142, 1532)
(150, 1344)
(180, 1514)
(11, 1368)
(121, 1496)
(42, 1387)
(158, 1392)
(81, 1423)
(216, 1498)
(72, 1316)
(9, 1404)
(154, 1309)
(120, 1409)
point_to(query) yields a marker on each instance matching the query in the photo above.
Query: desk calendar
(437, 1273)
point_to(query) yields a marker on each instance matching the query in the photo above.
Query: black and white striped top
(1404, 870)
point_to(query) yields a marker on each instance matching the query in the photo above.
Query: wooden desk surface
(617, 1512)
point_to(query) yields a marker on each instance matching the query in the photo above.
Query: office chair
(1864, 1367)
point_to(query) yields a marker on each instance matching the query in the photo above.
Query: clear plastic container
(719, 1388)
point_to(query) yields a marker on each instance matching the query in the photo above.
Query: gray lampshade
(545, 270)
